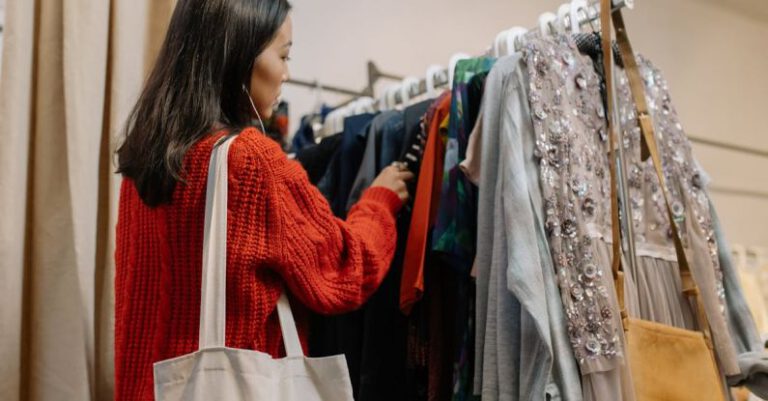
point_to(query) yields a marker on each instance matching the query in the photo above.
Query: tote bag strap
(214, 278)
(650, 147)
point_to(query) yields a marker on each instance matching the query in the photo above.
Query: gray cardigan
(522, 347)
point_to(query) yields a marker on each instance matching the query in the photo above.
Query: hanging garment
(392, 137)
(690, 204)
(374, 339)
(370, 165)
(216, 372)
(353, 141)
(666, 362)
(455, 225)
(305, 134)
(453, 235)
(520, 322)
(342, 334)
(338, 179)
(424, 208)
(384, 329)
(567, 108)
(414, 139)
(316, 159)
(753, 358)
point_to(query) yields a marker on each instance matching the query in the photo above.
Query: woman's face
(270, 70)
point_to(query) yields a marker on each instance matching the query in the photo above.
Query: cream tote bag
(216, 372)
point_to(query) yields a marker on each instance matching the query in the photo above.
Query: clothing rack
(589, 15)
(374, 75)
(729, 146)
(739, 192)
(734, 148)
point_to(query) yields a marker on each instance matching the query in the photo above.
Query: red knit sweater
(281, 233)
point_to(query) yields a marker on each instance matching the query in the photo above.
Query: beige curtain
(71, 72)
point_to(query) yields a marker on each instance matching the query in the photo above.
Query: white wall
(714, 56)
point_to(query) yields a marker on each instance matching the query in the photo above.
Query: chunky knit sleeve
(330, 265)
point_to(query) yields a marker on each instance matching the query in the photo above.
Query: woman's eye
(286, 58)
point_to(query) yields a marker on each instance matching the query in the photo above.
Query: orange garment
(424, 206)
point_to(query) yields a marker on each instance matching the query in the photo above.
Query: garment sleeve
(330, 265)
(752, 358)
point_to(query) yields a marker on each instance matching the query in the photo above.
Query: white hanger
(562, 13)
(514, 39)
(405, 89)
(389, 96)
(432, 73)
(546, 24)
(364, 105)
(576, 6)
(381, 101)
(498, 42)
(452, 66)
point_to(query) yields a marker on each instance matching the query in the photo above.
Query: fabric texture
(316, 158)
(373, 339)
(424, 209)
(353, 141)
(370, 165)
(456, 221)
(281, 232)
(520, 321)
(574, 184)
(752, 355)
(217, 372)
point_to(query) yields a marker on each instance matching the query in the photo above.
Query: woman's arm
(330, 265)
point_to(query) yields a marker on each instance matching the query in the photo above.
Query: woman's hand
(394, 178)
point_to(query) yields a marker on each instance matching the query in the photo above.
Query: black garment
(316, 158)
(383, 351)
(375, 147)
(353, 141)
(337, 181)
(475, 90)
(373, 339)
(590, 45)
(342, 334)
(415, 139)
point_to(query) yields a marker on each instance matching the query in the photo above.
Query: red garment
(281, 232)
(424, 207)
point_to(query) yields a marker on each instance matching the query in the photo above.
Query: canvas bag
(216, 372)
(666, 363)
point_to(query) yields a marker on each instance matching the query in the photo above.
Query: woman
(222, 66)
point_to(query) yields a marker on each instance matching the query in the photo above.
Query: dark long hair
(195, 85)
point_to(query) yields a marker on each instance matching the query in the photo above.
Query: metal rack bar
(729, 146)
(330, 88)
(739, 192)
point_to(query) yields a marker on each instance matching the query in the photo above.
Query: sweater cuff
(385, 196)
